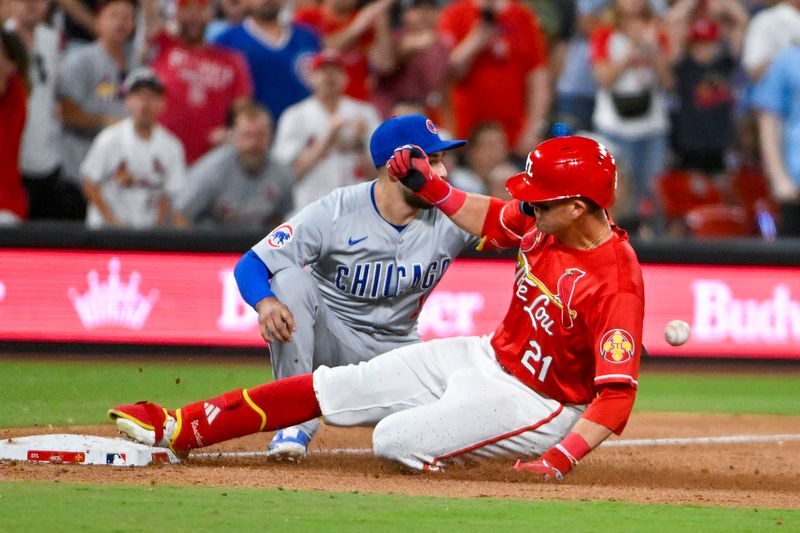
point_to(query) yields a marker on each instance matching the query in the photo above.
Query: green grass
(708, 393)
(71, 507)
(39, 392)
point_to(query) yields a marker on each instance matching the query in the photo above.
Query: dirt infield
(757, 475)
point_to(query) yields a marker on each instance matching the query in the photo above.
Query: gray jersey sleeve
(300, 240)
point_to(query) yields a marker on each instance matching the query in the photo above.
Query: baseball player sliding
(555, 379)
(374, 253)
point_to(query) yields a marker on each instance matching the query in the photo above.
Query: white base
(83, 449)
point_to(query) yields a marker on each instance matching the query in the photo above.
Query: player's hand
(552, 465)
(275, 320)
(411, 166)
(540, 468)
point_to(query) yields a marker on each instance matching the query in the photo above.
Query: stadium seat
(719, 220)
(679, 192)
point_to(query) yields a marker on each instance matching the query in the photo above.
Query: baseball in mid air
(677, 332)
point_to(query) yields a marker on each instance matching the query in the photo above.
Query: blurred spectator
(203, 82)
(325, 138)
(408, 107)
(777, 97)
(705, 65)
(487, 149)
(499, 64)
(40, 160)
(79, 21)
(497, 180)
(88, 85)
(135, 166)
(277, 53)
(420, 57)
(576, 86)
(770, 31)
(361, 35)
(233, 13)
(238, 184)
(632, 66)
(13, 73)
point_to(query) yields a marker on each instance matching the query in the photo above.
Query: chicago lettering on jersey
(381, 279)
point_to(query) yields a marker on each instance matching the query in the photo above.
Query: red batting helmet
(567, 167)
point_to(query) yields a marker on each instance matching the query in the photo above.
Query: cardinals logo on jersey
(616, 346)
(562, 298)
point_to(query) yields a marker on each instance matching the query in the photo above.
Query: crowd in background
(236, 113)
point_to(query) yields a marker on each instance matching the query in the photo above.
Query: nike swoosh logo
(351, 242)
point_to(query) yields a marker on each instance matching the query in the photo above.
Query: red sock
(240, 412)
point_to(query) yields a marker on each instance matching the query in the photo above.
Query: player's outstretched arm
(607, 414)
(559, 460)
(410, 166)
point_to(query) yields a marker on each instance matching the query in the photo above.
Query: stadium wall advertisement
(183, 298)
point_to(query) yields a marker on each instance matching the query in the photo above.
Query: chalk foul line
(622, 443)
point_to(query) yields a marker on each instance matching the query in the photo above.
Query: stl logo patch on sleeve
(280, 236)
(616, 346)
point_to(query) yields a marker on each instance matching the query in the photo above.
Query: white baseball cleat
(290, 443)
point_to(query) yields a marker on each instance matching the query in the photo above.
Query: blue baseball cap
(407, 129)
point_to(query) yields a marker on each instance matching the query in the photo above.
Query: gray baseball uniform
(220, 191)
(364, 283)
(90, 78)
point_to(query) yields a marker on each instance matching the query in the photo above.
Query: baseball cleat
(144, 422)
(290, 443)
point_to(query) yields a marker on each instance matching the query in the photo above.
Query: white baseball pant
(442, 401)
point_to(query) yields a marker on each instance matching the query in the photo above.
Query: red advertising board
(192, 299)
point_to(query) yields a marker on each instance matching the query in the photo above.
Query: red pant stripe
(492, 440)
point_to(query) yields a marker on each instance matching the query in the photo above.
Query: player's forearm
(593, 433)
(472, 214)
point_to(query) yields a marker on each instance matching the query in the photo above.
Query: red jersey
(12, 108)
(201, 83)
(355, 59)
(575, 318)
(495, 88)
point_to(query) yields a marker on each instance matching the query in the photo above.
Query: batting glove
(411, 166)
(558, 460)
(541, 468)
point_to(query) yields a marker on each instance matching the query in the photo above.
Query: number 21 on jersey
(534, 355)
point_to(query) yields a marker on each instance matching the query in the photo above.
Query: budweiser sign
(719, 315)
(192, 299)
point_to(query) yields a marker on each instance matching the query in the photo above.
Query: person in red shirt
(361, 36)
(203, 82)
(555, 379)
(13, 66)
(498, 60)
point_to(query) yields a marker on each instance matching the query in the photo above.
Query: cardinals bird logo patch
(616, 346)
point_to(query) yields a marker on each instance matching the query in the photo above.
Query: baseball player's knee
(293, 285)
(385, 441)
(392, 441)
